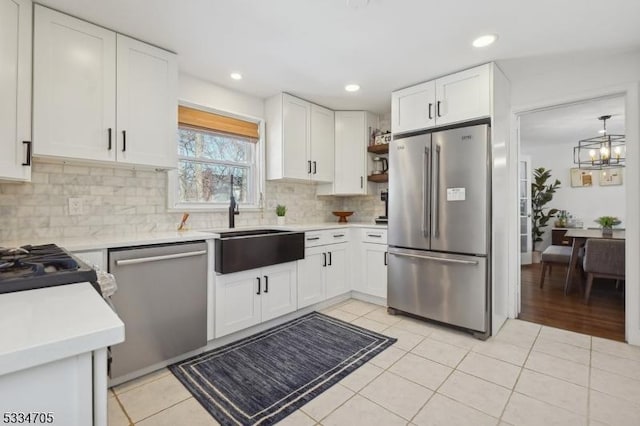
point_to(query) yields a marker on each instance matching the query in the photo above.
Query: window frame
(173, 202)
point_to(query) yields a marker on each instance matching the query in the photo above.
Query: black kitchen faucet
(233, 207)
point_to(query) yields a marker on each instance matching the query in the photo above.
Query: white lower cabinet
(247, 298)
(323, 274)
(311, 279)
(374, 269)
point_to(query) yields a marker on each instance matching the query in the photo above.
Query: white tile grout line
(504, 409)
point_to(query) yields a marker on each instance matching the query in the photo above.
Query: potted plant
(281, 210)
(541, 194)
(607, 223)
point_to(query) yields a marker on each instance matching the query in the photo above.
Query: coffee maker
(383, 220)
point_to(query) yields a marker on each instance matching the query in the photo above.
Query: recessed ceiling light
(485, 40)
(236, 76)
(352, 87)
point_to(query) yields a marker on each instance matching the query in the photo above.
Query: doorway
(547, 138)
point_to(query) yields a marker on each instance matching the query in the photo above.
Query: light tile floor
(526, 375)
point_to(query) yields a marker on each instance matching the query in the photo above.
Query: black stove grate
(30, 267)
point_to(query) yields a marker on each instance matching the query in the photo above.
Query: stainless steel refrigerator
(440, 226)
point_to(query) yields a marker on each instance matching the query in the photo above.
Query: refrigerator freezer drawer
(448, 288)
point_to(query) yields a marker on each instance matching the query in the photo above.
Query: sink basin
(242, 250)
(250, 233)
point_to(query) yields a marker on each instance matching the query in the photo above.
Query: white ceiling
(570, 123)
(312, 48)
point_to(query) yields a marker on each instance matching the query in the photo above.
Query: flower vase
(280, 220)
(607, 232)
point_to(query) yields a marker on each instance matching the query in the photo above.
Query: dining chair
(603, 258)
(560, 255)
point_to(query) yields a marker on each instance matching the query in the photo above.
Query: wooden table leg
(575, 249)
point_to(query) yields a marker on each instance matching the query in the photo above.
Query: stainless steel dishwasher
(162, 300)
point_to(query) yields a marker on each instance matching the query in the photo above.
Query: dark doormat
(263, 378)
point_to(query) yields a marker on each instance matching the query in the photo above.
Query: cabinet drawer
(376, 236)
(326, 236)
(314, 238)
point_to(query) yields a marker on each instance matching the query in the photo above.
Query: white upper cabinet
(99, 96)
(322, 143)
(15, 89)
(147, 110)
(464, 95)
(299, 140)
(74, 87)
(458, 97)
(413, 108)
(353, 129)
(296, 128)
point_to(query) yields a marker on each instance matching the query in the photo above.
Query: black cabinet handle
(314, 168)
(109, 138)
(338, 235)
(324, 259)
(124, 140)
(438, 108)
(259, 285)
(28, 160)
(329, 258)
(309, 167)
(386, 258)
(266, 284)
(430, 116)
(313, 238)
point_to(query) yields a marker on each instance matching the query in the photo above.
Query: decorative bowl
(342, 215)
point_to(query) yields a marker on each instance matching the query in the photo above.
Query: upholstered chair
(603, 258)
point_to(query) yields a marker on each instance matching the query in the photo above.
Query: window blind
(219, 123)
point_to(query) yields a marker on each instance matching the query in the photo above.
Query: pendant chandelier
(600, 152)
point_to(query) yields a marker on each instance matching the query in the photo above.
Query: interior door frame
(525, 257)
(631, 92)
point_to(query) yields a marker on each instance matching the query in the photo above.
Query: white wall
(196, 91)
(543, 82)
(586, 203)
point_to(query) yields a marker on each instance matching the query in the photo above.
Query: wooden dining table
(579, 237)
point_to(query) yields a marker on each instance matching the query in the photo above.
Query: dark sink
(250, 233)
(242, 250)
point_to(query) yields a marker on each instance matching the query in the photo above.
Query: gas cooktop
(30, 267)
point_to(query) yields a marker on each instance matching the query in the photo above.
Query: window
(211, 150)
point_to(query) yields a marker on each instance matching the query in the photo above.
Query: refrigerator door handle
(426, 185)
(437, 259)
(436, 195)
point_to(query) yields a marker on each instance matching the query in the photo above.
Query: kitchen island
(53, 355)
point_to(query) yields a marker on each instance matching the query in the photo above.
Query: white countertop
(104, 242)
(49, 324)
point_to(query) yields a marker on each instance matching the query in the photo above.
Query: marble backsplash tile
(122, 201)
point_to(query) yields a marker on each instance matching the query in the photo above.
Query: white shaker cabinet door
(74, 86)
(311, 277)
(279, 290)
(322, 144)
(374, 259)
(413, 108)
(463, 96)
(237, 301)
(351, 146)
(337, 281)
(296, 115)
(147, 104)
(15, 89)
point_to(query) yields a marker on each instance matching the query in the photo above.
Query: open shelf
(381, 178)
(379, 149)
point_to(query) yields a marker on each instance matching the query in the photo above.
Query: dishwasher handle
(158, 258)
(437, 259)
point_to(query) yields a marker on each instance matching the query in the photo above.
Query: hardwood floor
(602, 317)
